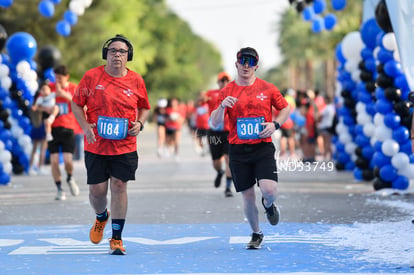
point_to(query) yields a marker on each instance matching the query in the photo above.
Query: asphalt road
(182, 192)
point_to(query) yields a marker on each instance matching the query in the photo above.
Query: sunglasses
(252, 61)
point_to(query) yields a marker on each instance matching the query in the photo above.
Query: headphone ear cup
(104, 53)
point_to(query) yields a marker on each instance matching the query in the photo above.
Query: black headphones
(121, 38)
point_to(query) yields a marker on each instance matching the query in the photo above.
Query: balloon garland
(313, 11)
(374, 93)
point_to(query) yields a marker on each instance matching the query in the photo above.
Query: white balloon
(363, 118)
(352, 45)
(375, 52)
(2, 146)
(360, 107)
(378, 119)
(5, 156)
(345, 137)
(17, 131)
(356, 75)
(382, 133)
(23, 67)
(7, 167)
(351, 66)
(350, 148)
(407, 171)
(6, 82)
(400, 161)
(77, 7)
(24, 140)
(389, 42)
(4, 70)
(369, 129)
(390, 147)
(396, 55)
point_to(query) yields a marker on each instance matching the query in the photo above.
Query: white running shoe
(74, 189)
(60, 196)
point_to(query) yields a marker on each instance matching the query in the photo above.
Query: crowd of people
(236, 124)
(306, 134)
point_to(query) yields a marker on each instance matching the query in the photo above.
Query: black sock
(102, 216)
(59, 185)
(228, 182)
(117, 226)
(69, 177)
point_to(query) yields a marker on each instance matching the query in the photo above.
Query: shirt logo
(99, 87)
(128, 92)
(261, 96)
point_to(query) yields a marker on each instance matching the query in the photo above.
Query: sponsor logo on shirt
(128, 92)
(99, 87)
(261, 96)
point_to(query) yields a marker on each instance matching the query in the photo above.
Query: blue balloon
(338, 4)
(379, 159)
(70, 17)
(384, 55)
(21, 46)
(46, 8)
(357, 173)
(369, 31)
(370, 109)
(63, 28)
(4, 178)
(366, 53)
(379, 93)
(362, 140)
(368, 152)
(330, 21)
(338, 53)
(308, 13)
(401, 82)
(392, 120)
(406, 147)
(56, 1)
(371, 65)
(317, 24)
(388, 172)
(319, 6)
(50, 74)
(400, 134)
(349, 166)
(378, 146)
(383, 106)
(6, 3)
(392, 68)
(401, 183)
(344, 157)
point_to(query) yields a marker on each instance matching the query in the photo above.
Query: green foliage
(171, 58)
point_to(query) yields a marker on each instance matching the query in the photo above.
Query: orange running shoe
(97, 231)
(116, 247)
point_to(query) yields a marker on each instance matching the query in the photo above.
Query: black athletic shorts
(250, 163)
(286, 132)
(100, 168)
(218, 142)
(64, 139)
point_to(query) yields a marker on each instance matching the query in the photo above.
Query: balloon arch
(19, 76)
(375, 114)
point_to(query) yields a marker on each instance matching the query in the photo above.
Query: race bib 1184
(112, 127)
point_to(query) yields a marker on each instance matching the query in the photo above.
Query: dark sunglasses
(252, 61)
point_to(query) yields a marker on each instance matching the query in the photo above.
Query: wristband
(277, 125)
(142, 125)
(221, 105)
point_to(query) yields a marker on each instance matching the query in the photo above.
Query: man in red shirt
(217, 138)
(117, 107)
(248, 103)
(63, 132)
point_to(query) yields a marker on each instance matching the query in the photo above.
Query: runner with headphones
(117, 106)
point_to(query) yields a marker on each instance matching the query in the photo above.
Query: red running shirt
(212, 99)
(253, 101)
(66, 118)
(119, 97)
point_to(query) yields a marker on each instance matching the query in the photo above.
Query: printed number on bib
(249, 127)
(63, 108)
(112, 127)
